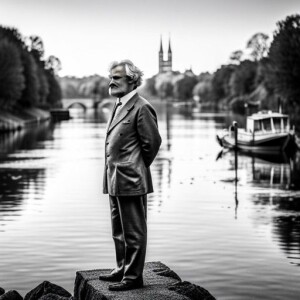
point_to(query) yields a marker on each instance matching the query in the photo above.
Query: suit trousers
(129, 232)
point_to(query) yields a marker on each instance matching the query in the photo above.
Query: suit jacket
(132, 142)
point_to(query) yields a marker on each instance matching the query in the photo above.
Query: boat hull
(262, 144)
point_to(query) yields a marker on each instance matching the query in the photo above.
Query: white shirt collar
(127, 97)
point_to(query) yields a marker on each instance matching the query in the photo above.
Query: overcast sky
(86, 35)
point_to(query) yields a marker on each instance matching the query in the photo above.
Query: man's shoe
(111, 277)
(126, 285)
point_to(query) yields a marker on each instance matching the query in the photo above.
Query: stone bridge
(86, 103)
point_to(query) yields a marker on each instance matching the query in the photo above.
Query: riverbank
(12, 121)
(160, 282)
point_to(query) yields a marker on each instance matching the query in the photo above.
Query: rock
(45, 288)
(54, 297)
(11, 295)
(192, 291)
(2, 291)
(160, 282)
(167, 272)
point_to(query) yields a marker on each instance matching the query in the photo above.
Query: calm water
(238, 241)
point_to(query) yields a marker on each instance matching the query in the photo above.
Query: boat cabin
(268, 122)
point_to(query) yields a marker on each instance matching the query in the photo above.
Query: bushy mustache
(112, 85)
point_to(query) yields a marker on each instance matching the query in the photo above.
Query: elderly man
(132, 142)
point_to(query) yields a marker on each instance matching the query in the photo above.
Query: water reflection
(55, 220)
(286, 230)
(285, 222)
(17, 186)
(25, 139)
(276, 172)
(268, 171)
(161, 174)
(295, 171)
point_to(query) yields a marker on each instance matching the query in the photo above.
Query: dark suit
(132, 142)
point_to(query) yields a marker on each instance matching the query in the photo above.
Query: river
(239, 241)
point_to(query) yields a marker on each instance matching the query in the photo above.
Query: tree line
(94, 86)
(27, 78)
(268, 76)
(265, 74)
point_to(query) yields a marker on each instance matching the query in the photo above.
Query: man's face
(119, 85)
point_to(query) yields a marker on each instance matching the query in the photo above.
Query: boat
(265, 132)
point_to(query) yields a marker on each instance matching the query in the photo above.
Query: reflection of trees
(285, 223)
(17, 185)
(295, 171)
(25, 139)
(287, 231)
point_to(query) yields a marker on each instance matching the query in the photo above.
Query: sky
(86, 35)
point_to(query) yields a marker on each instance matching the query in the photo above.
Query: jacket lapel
(123, 112)
(110, 118)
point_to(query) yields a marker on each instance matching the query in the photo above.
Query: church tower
(160, 57)
(164, 65)
(170, 56)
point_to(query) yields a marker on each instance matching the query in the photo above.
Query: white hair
(131, 70)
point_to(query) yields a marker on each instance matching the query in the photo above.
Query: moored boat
(266, 132)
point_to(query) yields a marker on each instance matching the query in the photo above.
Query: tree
(203, 89)
(53, 64)
(13, 36)
(242, 81)
(11, 74)
(52, 67)
(36, 47)
(258, 45)
(30, 95)
(183, 87)
(284, 58)
(220, 84)
(164, 85)
(54, 95)
(100, 88)
(236, 56)
(148, 88)
(26, 79)
(43, 87)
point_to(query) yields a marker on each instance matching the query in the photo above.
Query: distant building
(164, 65)
(189, 72)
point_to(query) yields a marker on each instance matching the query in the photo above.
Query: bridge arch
(106, 103)
(74, 104)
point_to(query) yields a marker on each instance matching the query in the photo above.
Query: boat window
(277, 124)
(257, 125)
(267, 124)
(285, 123)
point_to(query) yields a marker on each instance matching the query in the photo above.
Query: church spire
(161, 47)
(169, 51)
(164, 65)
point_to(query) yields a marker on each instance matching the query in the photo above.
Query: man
(132, 142)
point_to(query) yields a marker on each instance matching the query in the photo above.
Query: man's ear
(131, 81)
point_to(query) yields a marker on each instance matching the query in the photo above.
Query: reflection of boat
(269, 173)
(265, 132)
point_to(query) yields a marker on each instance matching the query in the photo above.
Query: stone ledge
(160, 282)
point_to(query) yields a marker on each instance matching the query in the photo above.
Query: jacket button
(107, 155)
(107, 143)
